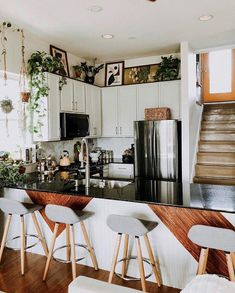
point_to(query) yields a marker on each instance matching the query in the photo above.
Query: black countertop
(197, 196)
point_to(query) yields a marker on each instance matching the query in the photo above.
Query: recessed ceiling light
(206, 17)
(107, 36)
(131, 38)
(95, 8)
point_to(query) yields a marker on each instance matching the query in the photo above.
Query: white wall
(32, 44)
(191, 113)
(100, 78)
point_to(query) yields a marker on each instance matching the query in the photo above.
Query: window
(219, 75)
(12, 138)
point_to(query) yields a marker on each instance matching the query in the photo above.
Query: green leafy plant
(77, 70)
(6, 105)
(10, 174)
(168, 69)
(90, 71)
(38, 64)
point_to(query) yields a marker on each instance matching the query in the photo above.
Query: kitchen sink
(108, 183)
(105, 183)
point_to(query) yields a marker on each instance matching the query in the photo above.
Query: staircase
(216, 150)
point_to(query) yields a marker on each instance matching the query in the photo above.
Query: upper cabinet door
(53, 108)
(127, 110)
(93, 108)
(67, 101)
(109, 112)
(147, 97)
(170, 97)
(79, 96)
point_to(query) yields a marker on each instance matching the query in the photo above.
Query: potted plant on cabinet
(90, 71)
(168, 69)
(78, 70)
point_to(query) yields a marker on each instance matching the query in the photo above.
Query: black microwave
(74, 125)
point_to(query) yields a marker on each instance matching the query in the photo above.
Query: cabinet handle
(120, 130)
(95, 130)
(76, 105)
(73, 105)
(116, 130)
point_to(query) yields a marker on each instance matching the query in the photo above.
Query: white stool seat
(213, 237)
(87, 285)
(130, 225)
(209, 284)
(65, 215)
(13, 207)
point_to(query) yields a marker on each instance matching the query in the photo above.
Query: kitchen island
(176, 206)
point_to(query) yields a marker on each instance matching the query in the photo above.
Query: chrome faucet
(87, 168)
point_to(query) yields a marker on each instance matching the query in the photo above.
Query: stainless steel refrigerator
(157, 149)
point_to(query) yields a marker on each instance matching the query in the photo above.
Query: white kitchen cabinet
(169, 96)
(50, 129)
(118, 111)
(109, 112)
(66, 97)
(93, 109)
(79, 96)
(73, 97)
(147, 97)
(126, 110)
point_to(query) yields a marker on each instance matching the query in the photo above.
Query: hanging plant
(6, 105)
(168, 69)
(23, 81)
(3, 28)
(38, 64)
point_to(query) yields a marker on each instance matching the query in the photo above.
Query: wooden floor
(59, 276)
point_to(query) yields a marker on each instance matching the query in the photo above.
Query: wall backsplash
(55, 149)
(117, 144)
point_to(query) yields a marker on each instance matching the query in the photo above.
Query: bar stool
(214, 238)
(13, 207)
(69, 217)
(130, 226)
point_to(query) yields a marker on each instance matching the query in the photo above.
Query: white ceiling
(158, 27)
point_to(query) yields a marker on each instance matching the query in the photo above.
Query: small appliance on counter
(64, 159)
(129, 155)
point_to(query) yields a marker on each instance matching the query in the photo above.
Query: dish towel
(209, 284)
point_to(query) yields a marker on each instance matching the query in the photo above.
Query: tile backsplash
(117, 144)
(55, 149)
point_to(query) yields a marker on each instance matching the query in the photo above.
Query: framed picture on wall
(114, 73)
(62, 56)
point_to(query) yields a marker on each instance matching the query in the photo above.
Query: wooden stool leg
(152, 260)
(202, 261)
(233, 258)
(68, 244)
(114, 262)
(230, 266)
(125, 251)
(90, 248)
(73, 254)
(50, 251)
(40, 235)
(4, 237)
(141, 265)
(22, 245)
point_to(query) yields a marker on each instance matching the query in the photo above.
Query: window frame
(215, 97)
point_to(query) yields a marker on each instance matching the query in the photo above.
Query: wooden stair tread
(218, 181)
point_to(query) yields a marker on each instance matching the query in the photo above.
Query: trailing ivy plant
(38, 64)
(10, 174)
(168, 69)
